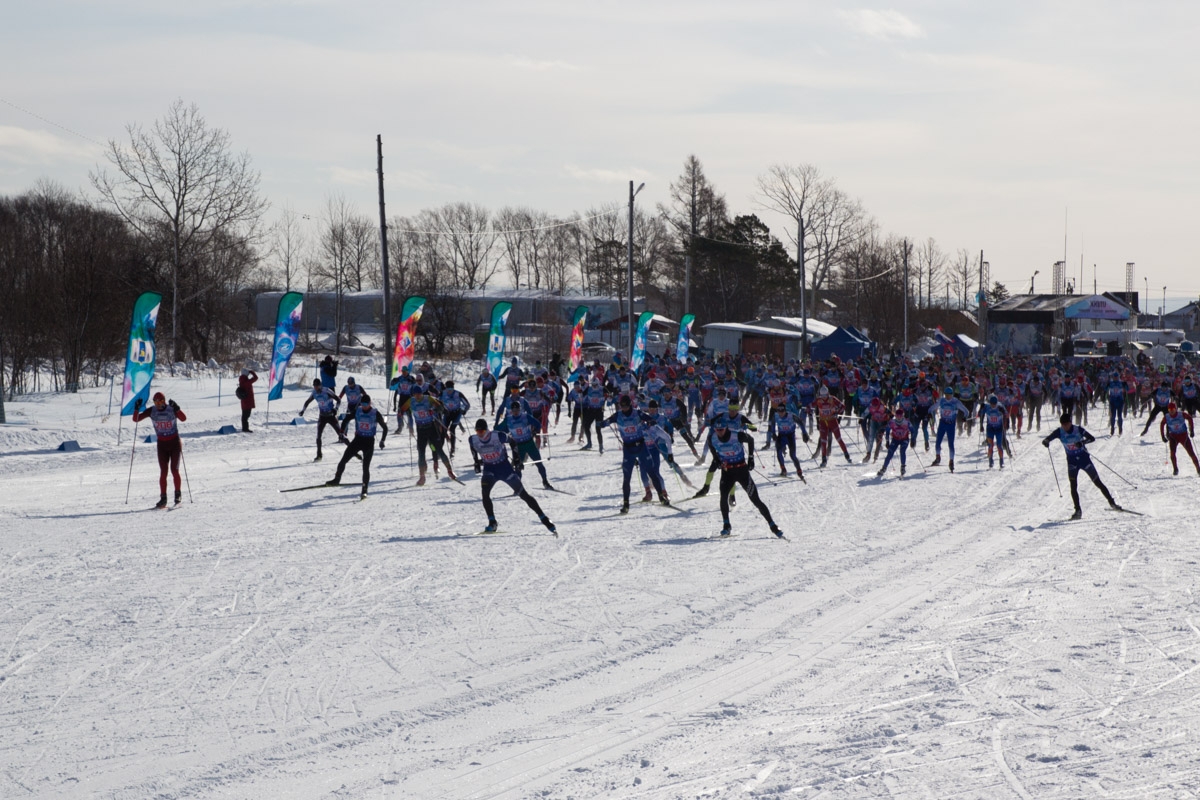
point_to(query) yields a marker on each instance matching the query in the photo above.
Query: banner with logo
(496, 337)
(406, 335)
(139, 358)
(577, 338)
(287, 329)
(685, 336)
(639, 341)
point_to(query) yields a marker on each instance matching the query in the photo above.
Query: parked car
(598, 351)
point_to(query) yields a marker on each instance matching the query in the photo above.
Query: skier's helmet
(481, 424)
(824, 392)
(364, 401)
(993, 400)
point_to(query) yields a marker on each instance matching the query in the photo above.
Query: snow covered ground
(941, 636)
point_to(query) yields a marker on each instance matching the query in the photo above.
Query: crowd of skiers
(713, 406)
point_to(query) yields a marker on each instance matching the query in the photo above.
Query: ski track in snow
(936, 636)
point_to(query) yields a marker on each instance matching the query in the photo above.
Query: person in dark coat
(245, 393)
(329, 369)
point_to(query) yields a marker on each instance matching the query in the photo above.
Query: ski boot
(1113, 505)
(783, 472)
(664, 499)
(162, 502)
(492, 527)
(880, 473)
(587, 446)
(775, 530)
(1002, 463)
(549, 525)
(546, 484)
(867, 457)
(1078, 514)
(824, 461)
(726, 531)
(903, 470)
(178, 497)
(703, 491)
(624, 508)
(318, 458)
(991, 463)
(648, 496)
(952, 465)
(334, 482)
(849, 460)
(421, 479)
(936, 460)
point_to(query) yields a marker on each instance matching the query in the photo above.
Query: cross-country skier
(352, 393)
(485, 384)
(426, 413)
(327, 405)
(633, 450)
(1178, 428)
(948, 409)
(736, 454)
(165, 415)
(1162, 396)
(366, 419)
(454, 406)
(782, 431)
(828, 409)
(490, 450)
(993, 417)
(522, 430)
(899, 430)
(1075, 440)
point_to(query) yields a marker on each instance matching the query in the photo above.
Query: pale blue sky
(977, 124)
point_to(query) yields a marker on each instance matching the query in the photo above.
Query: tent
(843, 344)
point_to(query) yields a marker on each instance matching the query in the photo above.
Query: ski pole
(918, 458)
(131, 452)
(1055, 470)
(1113, 471)
(188, 482)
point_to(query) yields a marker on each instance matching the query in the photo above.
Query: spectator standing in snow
(245, 393)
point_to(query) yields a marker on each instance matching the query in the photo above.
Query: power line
(50, 122)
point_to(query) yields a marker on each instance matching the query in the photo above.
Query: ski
(306, 488)
(1126, 511)
(556, 489)
(717, 537)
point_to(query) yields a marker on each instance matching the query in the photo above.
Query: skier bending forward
(490, 450)
(735, 469)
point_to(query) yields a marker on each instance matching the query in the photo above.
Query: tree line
(177, 211)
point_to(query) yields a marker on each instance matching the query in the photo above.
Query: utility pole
(803, 299)
(383, 252)
(905, 296)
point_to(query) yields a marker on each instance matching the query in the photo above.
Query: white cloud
(598, 175)
(541, 66)
(25, 146)
(351, 177)
(888, 24)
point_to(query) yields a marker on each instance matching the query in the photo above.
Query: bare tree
(334, 254)
(562, 265)
(514, 225)
(468, 239)
(182, 178)
(838, 223)
(931, 264)
(288, 247)
(961, 273)
(796, 192)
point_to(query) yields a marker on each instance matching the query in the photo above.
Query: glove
(174, 406)
(1046, 443)
(381, 441)
(750, 462)
(137, 404)
(478, 468)
(1164, 439)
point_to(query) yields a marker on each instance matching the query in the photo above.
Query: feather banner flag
(497, 336)
(287, 329)
(406, 335)
(639, 341)
(139, 358)
(577, 339)
(685, 336)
